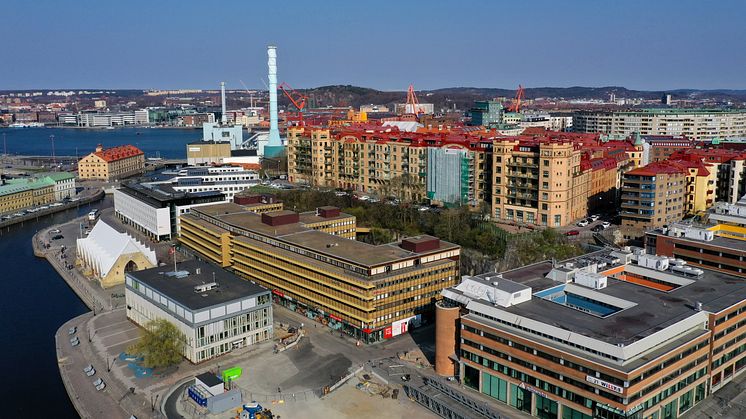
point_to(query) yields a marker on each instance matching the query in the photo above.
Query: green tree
(160, 344)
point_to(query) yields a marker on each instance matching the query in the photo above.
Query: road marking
(113, 324)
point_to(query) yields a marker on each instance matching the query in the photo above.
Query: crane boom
(297, 99)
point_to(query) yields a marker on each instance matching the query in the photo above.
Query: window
(557, 220)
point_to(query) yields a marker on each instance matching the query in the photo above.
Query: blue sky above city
(653, 45)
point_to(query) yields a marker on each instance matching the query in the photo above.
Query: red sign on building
(388, 333)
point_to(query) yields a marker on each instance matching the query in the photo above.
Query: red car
(572, 233)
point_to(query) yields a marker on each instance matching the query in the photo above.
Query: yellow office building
(370, 292)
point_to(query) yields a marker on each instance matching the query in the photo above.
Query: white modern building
(142, 117)
(695, 124)
(154, 207)
(215, 310)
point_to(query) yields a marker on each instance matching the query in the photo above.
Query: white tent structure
(107, 254)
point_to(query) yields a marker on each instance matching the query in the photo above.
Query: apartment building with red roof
(112, 163)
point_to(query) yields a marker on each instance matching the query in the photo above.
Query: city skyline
(383, 46)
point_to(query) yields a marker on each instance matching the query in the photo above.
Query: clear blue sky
(652, 44)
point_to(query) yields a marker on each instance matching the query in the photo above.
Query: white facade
(218, 132)
(142, 117)
(153, 221)
(206, 331)
(695, 124)
(64, 188)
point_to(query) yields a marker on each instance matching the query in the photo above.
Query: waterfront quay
(291, 383)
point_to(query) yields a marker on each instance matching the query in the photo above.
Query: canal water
(35, 301)
(167, 143)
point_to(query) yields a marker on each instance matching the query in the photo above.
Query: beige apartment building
(393, 163)
(112, 163)
(539, 182)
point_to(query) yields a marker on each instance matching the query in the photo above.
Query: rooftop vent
(205, 287)
(278, 218)
(178, 274)
(327, 212)
(420, 244)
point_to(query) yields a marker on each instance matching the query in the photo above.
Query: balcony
(524, 175)
(521, 164)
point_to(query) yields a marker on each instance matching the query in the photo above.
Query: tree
(160, 344)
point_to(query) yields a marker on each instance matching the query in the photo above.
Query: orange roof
(119, 153)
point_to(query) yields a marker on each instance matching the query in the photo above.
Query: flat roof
(310, 217)
(653, 311)
(230, 287)
(318, 241)
(717, 241)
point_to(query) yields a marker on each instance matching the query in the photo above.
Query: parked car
(98, 381)
(71, 331)
(88, 368)
(91, 372)
(364, 198)
(101, 386)
(75, 341)
(58, 237)
(597, 228)
(582, 223)
(55, 231)
(340, 193)
(606, 224)
(595, 217)
(572, 233)
(422, 209)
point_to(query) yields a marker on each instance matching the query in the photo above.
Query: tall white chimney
(274, 131)
(224, 117)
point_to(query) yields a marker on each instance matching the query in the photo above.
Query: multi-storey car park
(611, 334)
(371, 292)
(695, 124)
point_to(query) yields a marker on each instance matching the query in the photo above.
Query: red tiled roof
(657, 168)
(119, 153)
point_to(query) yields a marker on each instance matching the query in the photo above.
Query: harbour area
(290, 383)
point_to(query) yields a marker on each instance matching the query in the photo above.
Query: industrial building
(207, 152)
(612, 334)
(112, 163)
(370, 292)
(695, 124)
(215, 310)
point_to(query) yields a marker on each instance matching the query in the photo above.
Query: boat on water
(26, 125)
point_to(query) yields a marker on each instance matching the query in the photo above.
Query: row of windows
(526, 378)
(584, 369)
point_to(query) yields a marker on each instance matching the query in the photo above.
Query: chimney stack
(274, 131)
(224, 117)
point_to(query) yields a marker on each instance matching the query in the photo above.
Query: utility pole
(51, 138)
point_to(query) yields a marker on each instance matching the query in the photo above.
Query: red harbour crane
(516, 105)
(297, 99)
